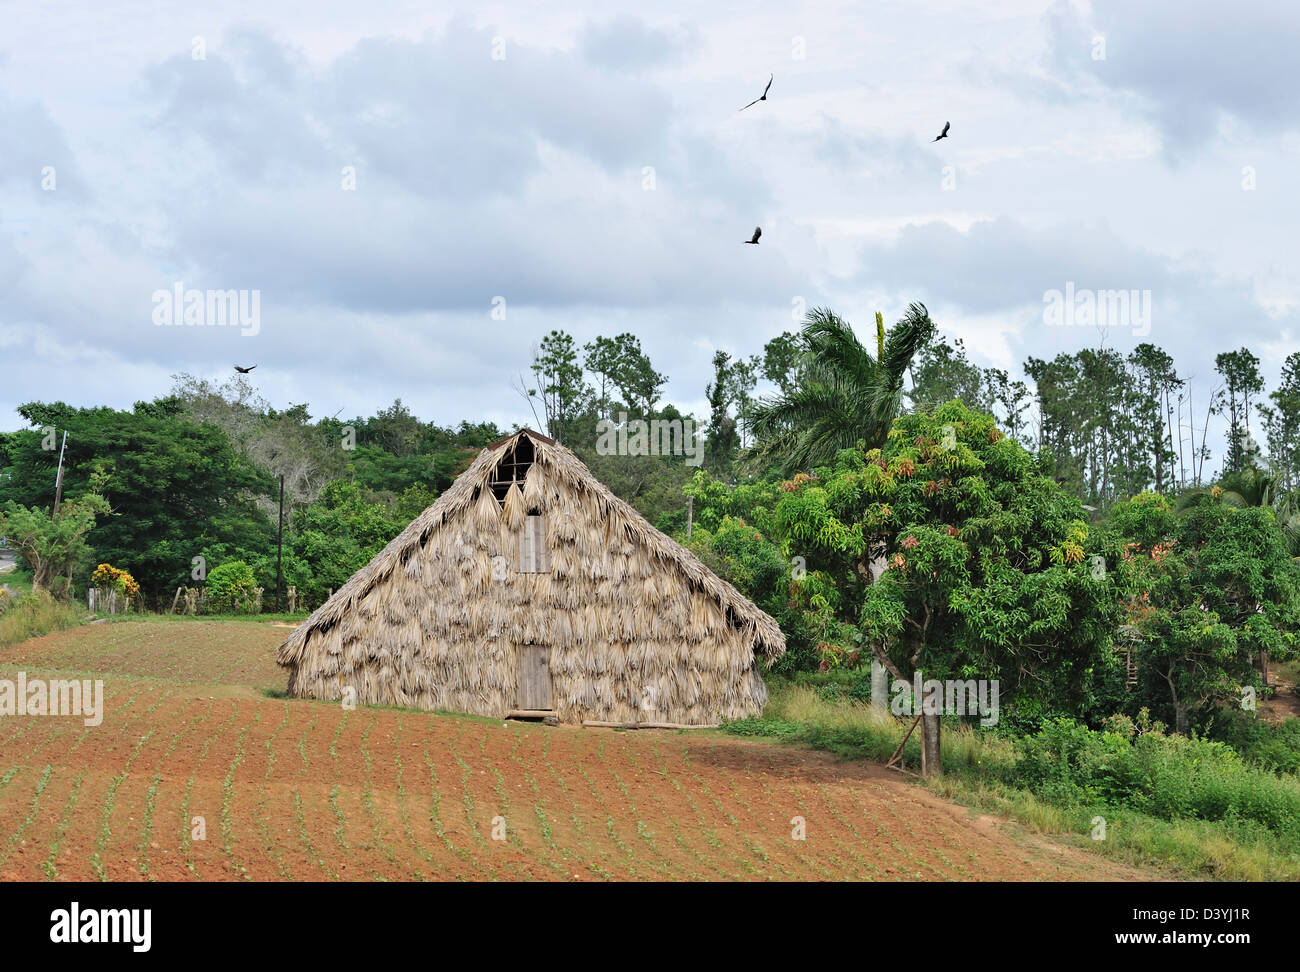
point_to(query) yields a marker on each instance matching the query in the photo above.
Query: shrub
(1275, 747)
(1072, 765)
(109, 577)
(860, 690)
(232, 588)
(1172, 777)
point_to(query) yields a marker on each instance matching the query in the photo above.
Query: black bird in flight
(758, 231)
(244, 371)
(763, 96)
(944, 133)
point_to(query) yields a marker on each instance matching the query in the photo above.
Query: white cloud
(523, 178)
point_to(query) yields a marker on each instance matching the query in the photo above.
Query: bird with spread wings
(763, 96)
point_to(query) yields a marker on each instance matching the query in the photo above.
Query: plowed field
(199, 772)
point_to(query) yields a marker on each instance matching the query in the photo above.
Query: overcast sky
(503, 150)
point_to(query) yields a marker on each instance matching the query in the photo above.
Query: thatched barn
(529, 588)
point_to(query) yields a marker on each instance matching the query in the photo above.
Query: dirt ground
(1285, 703)
(199, 772)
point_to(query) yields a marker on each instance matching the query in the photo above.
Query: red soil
(294, 789)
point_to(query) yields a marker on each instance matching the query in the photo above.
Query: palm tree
(844, 394)
(1252, 486)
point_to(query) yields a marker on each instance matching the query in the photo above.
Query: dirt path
(1285, 703)
(217, 781)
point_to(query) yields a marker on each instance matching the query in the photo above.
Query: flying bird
(758, 231)
(763, 96)
(944, 133)
(244, 371)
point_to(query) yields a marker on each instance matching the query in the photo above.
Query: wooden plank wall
(534, 553)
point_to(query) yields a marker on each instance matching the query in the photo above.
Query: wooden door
(534, 678)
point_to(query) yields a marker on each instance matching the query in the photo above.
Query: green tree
(1213, 594)
(847, 394)
(174, 487)
(1155, 381)
(987, 571)
(333, 539)
(1241, 380)
(652, 484)
(620, 363)
(1282, 425)
(52, 545)
(563, 393)
(637, 381)
(738, 535)
(1011, 398)
(781, 357)
(742, 377)
(1089, 424)
(942, 372)
(722, 437)
(603, 360)
(396, 430)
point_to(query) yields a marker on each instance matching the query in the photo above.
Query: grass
(1190, 849)
(35, 614)
(27, 614)
(979, 770)
(853, 729)
(17, 579)
(152, 618)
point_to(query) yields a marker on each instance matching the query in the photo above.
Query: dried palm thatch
(636, 629)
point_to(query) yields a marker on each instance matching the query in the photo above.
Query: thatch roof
(457, 535)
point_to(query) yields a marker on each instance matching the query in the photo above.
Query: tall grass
(1188, 848)
(856, 730)
(1192, 806)
(31, 615)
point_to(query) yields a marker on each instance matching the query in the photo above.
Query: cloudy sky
(586, 163)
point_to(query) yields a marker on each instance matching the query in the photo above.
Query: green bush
(1275, 747)
(1075, 765)
(232, 588)
(860, 690)
(1167, 776)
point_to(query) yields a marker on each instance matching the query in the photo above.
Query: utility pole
(690, 515)
(58, 479)
(279, 550)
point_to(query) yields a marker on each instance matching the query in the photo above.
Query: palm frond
(846, 394)
(905, 340)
